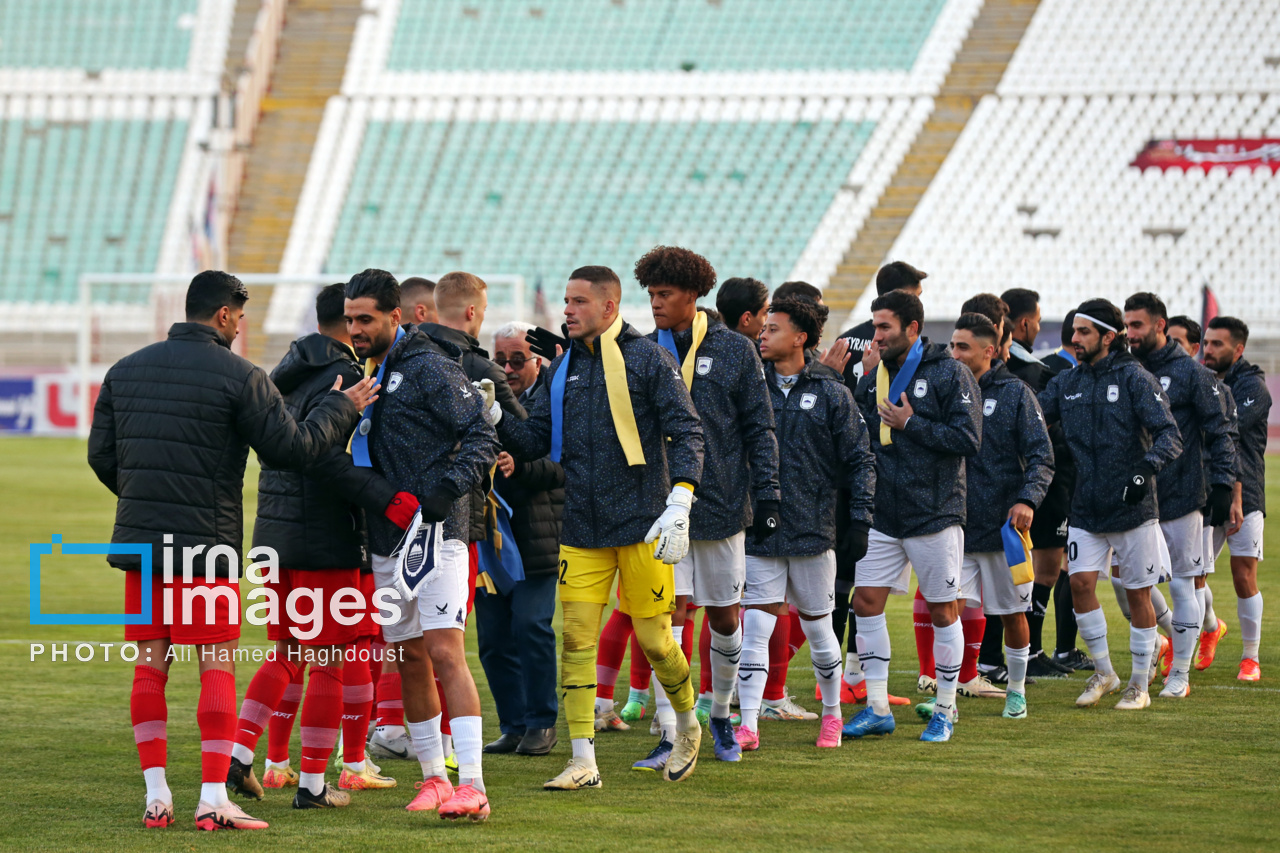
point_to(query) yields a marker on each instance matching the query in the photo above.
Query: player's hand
(671, 530)
(401, 509)
(1021, 515)
(767, 519)
(838, 354)
(506, 464)
(547, 344)
(1236, 519)
(439, 504)
(1138, 484)
(362, 393)
(895, 417)
(870, 359)
(1219, 504)
(854, 545)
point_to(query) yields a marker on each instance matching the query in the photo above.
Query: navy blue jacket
(430, 429)
(740, 460)
(1197, 408)
(1253, 406)
(1015, 463)
(608, 503)
(824, 448)
(1115, 415)
(920, 477)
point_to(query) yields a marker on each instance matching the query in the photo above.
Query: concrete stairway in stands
(976, 71)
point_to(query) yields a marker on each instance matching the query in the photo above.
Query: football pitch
(1200, 774)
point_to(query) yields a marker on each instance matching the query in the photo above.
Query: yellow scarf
(882, 395)
(699, 332)
(615, 383)
(369, 369)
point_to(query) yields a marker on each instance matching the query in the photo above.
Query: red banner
(1207, 153)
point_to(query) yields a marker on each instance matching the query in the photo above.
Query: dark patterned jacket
(823, 447)
(1015, 463)
(1115, 415)
(1253, 406)
(740, 459)
(535, 493)
(920, 477)
(430, 429)
(608, 503)
(1197, 408)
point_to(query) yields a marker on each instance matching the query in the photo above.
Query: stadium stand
(106, 34)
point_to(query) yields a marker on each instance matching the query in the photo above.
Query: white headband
(1095, 321)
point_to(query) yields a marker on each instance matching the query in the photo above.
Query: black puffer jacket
(172, 430)
(535, 493)
(477, 365)
(920, 477)
(315, 520)
(1248, 385)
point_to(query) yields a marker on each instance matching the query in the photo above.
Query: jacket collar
(1171, 351)
(1109, 362)
(460, 339)
(999, 374)
(626, 333)
(197, 332)
(528, 393)
(1241, 368)
(1021, 353)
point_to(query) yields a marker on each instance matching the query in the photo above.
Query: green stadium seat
(96, 34)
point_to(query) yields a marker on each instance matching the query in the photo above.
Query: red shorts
(473, 557)
(329, 583)
(367, 627)
(203, 628)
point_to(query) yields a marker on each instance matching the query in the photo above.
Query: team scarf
(360, 440)
(498, 557)
(668, 340)
(615, 382)
(1069, 356)
(886, 391)
(1017, 552)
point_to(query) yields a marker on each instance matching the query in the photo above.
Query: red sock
(445, 728)
(974, 624)
(924, 635)
(377, 652)
(775, 686)
(266, 690)
(795, 639)
(321, 717)
(390, 700)
(686, 636)
(704, 656)
(216, 716)
(641, 670)
(280, 730)
(150, 715)
(357, 701)
(609, 654)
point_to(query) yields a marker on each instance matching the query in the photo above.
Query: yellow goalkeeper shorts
(646, 585)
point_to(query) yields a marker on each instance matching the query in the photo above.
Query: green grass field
(1203, 774)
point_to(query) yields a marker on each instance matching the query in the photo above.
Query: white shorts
(441, 603)
(1141, 554)
(1247, 541)
(807, 582)
(936, 559)
(988, 583)
(1213, 539)
(1185, 540)
(713, 571)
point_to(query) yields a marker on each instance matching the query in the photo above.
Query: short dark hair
(978, 325)
(329, 304)
(1020, 301)
(677, 267)
(1106, 311)
(596, 275)
(737, 296)
(896, 276)
(378, 284)
(1149, 302)
(1194, 335)
(1068, 328)
(801, 289)
(413, 289)
(1238, 329)
(988, 304)
(213, 290)
(906, 306)
(806, 315)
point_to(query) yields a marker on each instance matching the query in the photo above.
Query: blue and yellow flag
(1017, 550)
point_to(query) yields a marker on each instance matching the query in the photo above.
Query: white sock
(1017, 661)
(665, 713)
(603, 706)
(157, 787)
(1142, 644)
(948, 652)
(274, 765)
(585, 748)
(757, 626)
(677, 634)
(1122, 598)
(1164, 616)
(872, 640)
(214, 793)
(390, 732)
(687, 721)
(824, 652)
(446, 743)
(429, 745)
(1093, 630)
(242, 753)
(853, 668)
(726, 651)
(353, 766)
(1210, 621)
(313, 782)
(639, 696)
(467, 740)
(1250, 612)
(1186, 623)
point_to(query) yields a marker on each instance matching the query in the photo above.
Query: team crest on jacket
(1113, 393)
(988, 406)
(807, 401)
(394, 382)
(704, 365)
(922, 387)
(1165, 381)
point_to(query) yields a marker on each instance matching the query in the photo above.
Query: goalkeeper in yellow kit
(618, 417)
